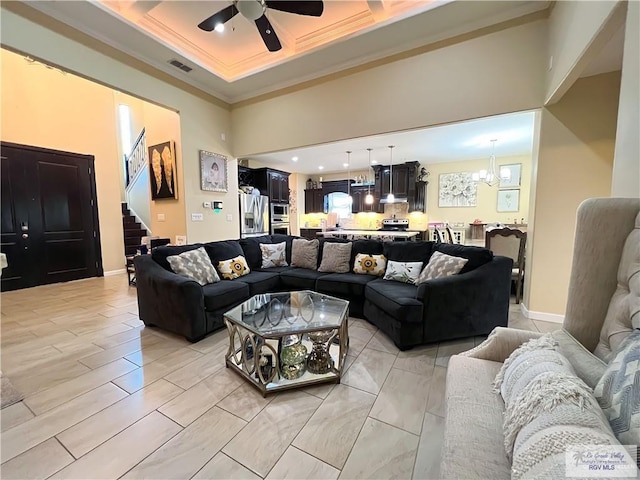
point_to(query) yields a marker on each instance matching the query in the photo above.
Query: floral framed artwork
(213, 172)
(515, 173)
(162, 163)
(508, 200)
(457, 190)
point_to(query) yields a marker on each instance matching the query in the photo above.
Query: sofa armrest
(472, 303)
(168, 300)
(500, 344)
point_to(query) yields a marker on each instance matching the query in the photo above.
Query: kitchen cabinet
(273, 183)
(310, 233)
(403, 180)
(359, 195)
(313, 201)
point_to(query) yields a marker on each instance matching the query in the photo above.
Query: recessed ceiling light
(295, 159)
(320, 167)
(374, 161)
(345, 165)
(219, 27)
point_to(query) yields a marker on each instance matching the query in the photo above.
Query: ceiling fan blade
(313, 8)
(222, 16)
(268, 35)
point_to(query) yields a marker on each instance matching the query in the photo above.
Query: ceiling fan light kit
(256, 11)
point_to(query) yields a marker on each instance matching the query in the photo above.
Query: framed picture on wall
(162, 163)
(513, 179)
(213, 172)
(508, 200)
(457, 190)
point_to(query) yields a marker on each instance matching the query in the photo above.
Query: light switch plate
(229, 217)
(197, 217)
(206, 204)
(161, 217)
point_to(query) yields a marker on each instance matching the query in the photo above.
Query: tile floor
(106, 397)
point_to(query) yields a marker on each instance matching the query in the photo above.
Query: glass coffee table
(279, 341)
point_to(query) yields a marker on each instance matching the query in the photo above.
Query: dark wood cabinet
(273, 183)
(313, 201)
(359, 196)
(404, 183)
(309, 233)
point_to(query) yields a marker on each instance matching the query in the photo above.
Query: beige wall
(577, 31)
(497, 73)
(487, 196)
(201, 122)
(44, 108)
(626, 165)
(574, 162)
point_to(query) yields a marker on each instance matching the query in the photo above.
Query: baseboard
(111, 273)
(547, 317)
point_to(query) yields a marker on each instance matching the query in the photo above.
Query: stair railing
(137, 158)
(137, 192)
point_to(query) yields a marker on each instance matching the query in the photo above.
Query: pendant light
(390, 197)
(490, 176)
(350, 199)
(369, 198)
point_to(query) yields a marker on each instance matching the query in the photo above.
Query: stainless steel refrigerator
(254, 215)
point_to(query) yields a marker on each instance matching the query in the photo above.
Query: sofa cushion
(288, 239)
(344, 285)
(364, 247)
(251, 249)
(194, 264)
(441, 265)
(233, 268)
(473, 422)
(273, 255)
(618, 391)
(300, 278)
(477, 256)
(223, 250)
(335, 257)
(408, 251)
(261, 282)
(370, 264)
(224, 294)
(160, 254)
(625, 302)
(395, 298)
(304, 253)
(405, 272)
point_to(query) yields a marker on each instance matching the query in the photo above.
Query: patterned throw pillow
(441, 265)
(304, 253)
(406, 272)
(618, 391)
(194, 264)
(233, 268)
(274, 254)
(335, 257)
(370, 264)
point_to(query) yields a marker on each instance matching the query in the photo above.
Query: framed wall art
(457, 190)
(162, 165)
(508, 200)
(213, 172)
(515, 174)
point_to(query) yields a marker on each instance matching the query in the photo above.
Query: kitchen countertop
(371, 233)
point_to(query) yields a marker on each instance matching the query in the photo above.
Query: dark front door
(49, 217)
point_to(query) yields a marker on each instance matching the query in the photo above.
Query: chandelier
(489, 176)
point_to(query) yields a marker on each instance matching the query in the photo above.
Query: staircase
(133, 231)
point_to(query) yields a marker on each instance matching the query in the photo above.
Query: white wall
(201, 122)
(626, 165)
(496, 73)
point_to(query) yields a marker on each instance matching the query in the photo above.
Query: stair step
(130, 249)
(132, 240)
(129, 219)
(125, 208)
(134, 232)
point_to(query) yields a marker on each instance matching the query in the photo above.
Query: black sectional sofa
(473, 302)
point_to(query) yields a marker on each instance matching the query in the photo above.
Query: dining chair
(449, 233)
(509, 242)
(439, 235)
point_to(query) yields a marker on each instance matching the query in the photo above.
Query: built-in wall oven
(279, 218)
(282, 228)
(279, 210)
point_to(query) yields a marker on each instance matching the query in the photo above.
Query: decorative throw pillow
(304, 253)
(335, 257)
(406, 272)
(441, 265)
(274, 254)
(194, 264)
(233, 268)
(618, 391)
(370, 264)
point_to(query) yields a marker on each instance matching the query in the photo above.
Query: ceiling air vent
(180, 65)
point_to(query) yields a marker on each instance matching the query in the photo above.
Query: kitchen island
(399, 235)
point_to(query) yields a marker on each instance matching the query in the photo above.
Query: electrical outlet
(161, 217)
(206, 204)
(229, 217)
(197, 217)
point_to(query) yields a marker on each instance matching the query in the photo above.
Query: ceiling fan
(255, 10)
